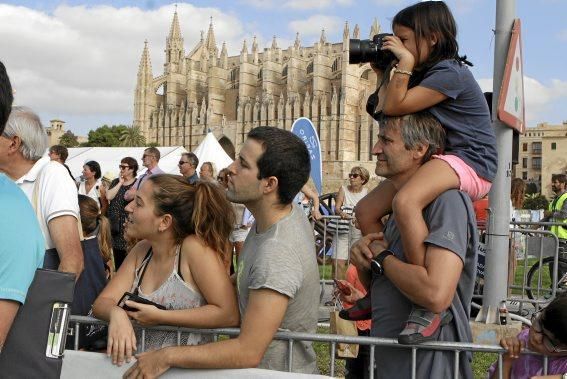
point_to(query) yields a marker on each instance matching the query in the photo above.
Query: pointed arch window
(310, 68)
(336, 65)
(284, 72)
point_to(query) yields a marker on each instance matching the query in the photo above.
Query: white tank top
(174, 294)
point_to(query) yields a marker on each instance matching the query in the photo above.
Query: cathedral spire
(323, 39)
(254, 45)
(224, 56)
(297, 42)
(174, 52)
(210, 42)
(244, 52)
(346, 32)
(274, 43)
(145, 66)
(375, 28)
(174, 30)
(356, 32)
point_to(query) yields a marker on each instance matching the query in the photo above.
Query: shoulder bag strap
(146, 260)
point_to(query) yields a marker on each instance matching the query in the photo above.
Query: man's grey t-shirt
(451, 223)
(282, 259)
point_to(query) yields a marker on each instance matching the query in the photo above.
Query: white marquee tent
(109, 157)
(210, 150)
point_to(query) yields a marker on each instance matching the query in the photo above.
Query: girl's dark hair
(428, 19)
(90, 220)
(94, 167)
(132, 163)
(201, 209)
(554, 318)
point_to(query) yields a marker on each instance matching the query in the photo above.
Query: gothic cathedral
(207, 90)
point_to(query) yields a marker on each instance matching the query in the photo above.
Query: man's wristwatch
(377, 264)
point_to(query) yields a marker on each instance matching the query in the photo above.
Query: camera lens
(364, 51)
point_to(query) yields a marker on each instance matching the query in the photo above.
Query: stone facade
(543, 152)
(208, 90)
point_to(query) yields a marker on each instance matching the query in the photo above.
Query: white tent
(109, 158)
(210, 150)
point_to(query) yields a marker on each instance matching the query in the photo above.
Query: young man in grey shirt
(446, 280)
(277, 277)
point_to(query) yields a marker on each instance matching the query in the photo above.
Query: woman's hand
(121, 337)
(151, 364)
(146, 315)
(316, 214)
(514, 347)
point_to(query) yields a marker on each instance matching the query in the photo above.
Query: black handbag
(36, 341)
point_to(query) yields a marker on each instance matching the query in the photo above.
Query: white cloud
(539, 98)
(83, 60)
(299, 4)
(311, 27)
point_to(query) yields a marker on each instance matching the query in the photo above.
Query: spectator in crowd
(242, 223)
(547, 335)
(188, 167)
(59, 153)
(347, 198)
(116, 209)
(308, 200)
(92, 186)
(481, 212)
(178, 264)
(518, 241)
(48, 187)
(278, 278)
(557, 210)
(97, 250)
(444, 282)
(19, 257)
(349, 291)
(150, 160)
(207, 171)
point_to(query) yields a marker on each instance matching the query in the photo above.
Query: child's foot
(423, 326)
(361, 310)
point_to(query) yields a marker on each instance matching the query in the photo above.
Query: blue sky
(77, 60)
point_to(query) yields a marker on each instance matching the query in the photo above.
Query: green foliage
(531, 188)
(132, 136)
(152, 144)
(68, 139)
(106, 136)
(535, 201)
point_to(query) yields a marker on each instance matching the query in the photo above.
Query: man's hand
(365, 249)
(149, 365)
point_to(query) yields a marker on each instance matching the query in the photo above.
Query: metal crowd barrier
(529, 246)
(457, 348)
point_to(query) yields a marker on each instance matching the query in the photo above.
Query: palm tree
(131, 137)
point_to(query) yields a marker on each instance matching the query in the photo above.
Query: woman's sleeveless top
(174, 294)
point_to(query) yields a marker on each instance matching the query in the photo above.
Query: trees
(68, 139)
(106, 136)
(132, 136)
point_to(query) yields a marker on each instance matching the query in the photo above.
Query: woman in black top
(116, 213)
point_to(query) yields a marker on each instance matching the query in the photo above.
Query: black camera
(370, 50)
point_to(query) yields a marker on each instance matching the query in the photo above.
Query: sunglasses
(549, 343)
(123, 167)
(353, 176)
(181, 163)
